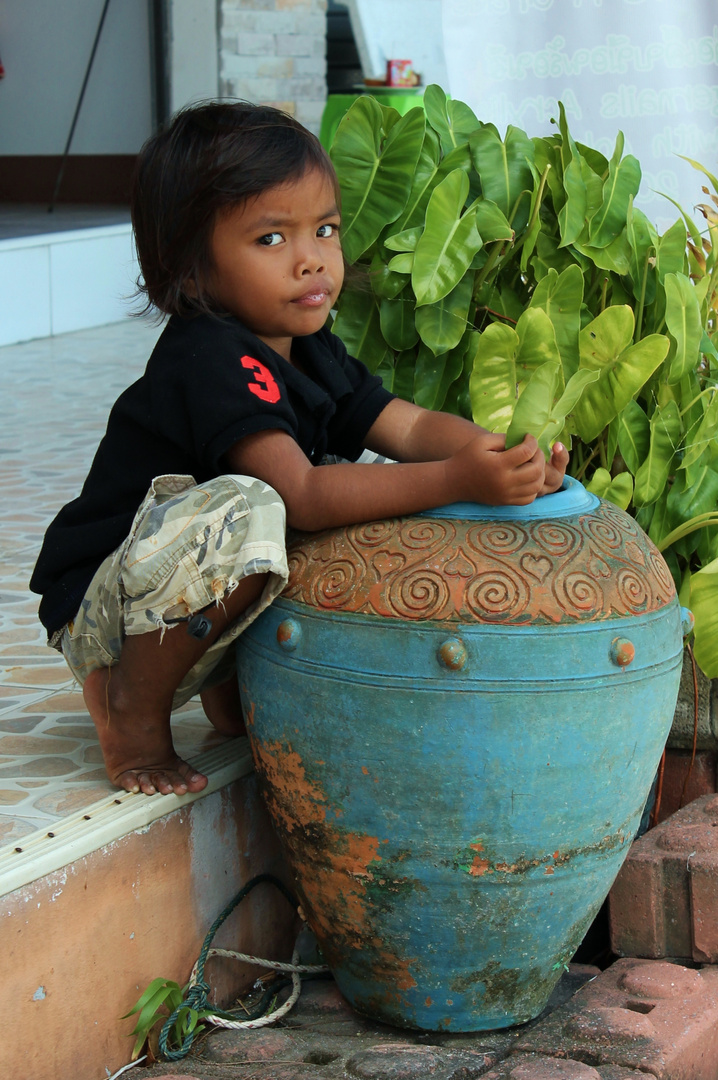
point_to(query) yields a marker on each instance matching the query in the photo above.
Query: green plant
(513, 281)
(159, 1001)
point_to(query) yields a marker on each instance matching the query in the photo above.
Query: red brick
(650, 1015)
(540, 1067)
(664, 901)
(702, 780)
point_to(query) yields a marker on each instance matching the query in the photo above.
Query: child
(177, 540)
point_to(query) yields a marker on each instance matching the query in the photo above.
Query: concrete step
(121, 893)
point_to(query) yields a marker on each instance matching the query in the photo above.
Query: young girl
(176, 541)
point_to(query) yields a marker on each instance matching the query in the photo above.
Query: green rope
(197, 995)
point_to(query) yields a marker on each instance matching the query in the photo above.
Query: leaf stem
(584, 466)
(642, 299)
(688, 527)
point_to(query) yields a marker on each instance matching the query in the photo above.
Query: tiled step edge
(47, 850)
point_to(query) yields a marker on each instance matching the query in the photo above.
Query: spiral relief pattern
(634, 590)
(555, 539)
(420, 594)
(297, 560)
(336, 583)
(498, 538)
(605, 533)
(373, 533)
(658, 567)
(497, 596)
(581, 594)
(423, 534)
(597, 566)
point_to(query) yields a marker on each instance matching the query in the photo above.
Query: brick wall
(273, 52)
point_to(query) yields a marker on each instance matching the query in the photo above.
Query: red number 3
(264, 385)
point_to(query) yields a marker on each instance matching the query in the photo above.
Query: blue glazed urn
(456, 718)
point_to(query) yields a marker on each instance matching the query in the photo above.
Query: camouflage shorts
(189, 546)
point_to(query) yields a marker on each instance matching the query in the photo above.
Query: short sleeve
(214, 384)
(357, 410)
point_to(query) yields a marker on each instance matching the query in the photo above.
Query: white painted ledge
(43, 852)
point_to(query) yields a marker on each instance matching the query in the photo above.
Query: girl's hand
(555, 469)
(483, 471)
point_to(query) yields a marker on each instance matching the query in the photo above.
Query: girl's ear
(189, 288)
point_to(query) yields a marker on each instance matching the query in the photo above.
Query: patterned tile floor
(55, 394)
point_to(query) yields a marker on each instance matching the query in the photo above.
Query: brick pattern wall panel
(273, 52)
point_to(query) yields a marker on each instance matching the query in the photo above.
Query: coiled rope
(197, 989)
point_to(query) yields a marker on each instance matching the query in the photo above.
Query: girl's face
(277, 262)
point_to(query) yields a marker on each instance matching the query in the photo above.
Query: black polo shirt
(208, 383)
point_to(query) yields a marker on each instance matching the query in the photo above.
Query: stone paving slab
(651, 1015)
(324, 1039)
(539, 1067)
(664, 901)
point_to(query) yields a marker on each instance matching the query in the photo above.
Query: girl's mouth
(312, 299)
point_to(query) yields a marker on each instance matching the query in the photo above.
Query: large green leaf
(385, 283)
(404, 366)
(704, 605)
(643, 242)
(397, 321)
(504, 169)
(660, 524)
(532, 411)
(528, 240)
(652, 475)
(448, 243)
(357, 324)
(493, 376)
(375, 170)
(618, 489)
(442, 325)
(572, 215)
(429, 377)
(537, 414)
(561, 296)
(624, 368)
(683, 319)
(700, 439)
(453, 121)
(406, 240)
(634, 435)
(671, 257)
(690, 500)
(622, 184)
(615, 256)
(427, 179)
(537, 343)
(490, 222)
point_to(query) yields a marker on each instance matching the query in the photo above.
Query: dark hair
(209, 158)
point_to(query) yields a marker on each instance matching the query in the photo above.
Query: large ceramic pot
(457, 717)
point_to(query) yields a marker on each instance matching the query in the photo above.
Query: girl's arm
(409, 433)
(478, 470)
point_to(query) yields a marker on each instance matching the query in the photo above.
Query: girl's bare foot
(137, 749)
(223, 708)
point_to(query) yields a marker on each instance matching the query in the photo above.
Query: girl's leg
(222, 706)
(217, 548)
(130, 703)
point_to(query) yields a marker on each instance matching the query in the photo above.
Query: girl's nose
(310, 260)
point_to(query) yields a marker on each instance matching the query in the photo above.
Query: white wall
(646, 67)
(45, 46)
(399, 30)
(193, 51)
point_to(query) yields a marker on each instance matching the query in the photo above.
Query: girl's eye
(270, 239)
(325, 231)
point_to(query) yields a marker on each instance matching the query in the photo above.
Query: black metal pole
(85, 81)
